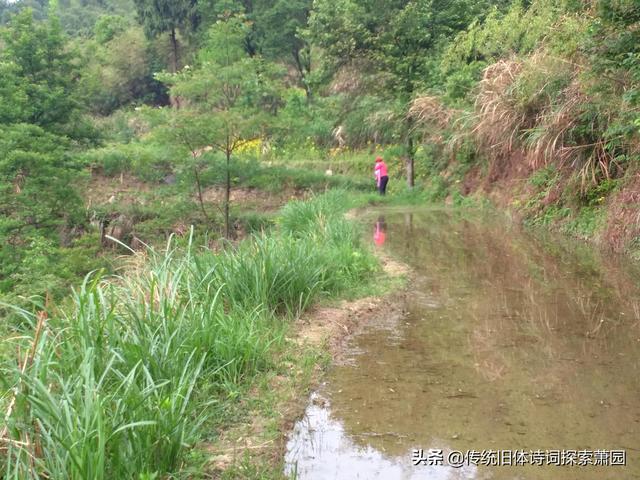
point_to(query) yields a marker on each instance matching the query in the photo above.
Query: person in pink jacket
(382, 177)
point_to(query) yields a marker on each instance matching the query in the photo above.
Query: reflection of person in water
(380, 232)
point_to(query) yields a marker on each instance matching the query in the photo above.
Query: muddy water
(505, 343)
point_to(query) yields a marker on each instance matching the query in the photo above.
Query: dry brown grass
(498, 120)
(428, 110)
(432, 118)
(548, 141)
(348, 79)
(538, 107)
(534, 112)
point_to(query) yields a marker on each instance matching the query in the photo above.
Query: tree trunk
(227, 197)
(174, 47)
(201, 200)
(302, 71)
(307, 90)
(410, 164)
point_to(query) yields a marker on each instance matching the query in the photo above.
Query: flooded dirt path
(521, 353)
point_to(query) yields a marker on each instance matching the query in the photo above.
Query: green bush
(544, 178)
(587, 221)
(303, 123)
(596, 194)
(147, 161)
(254, 222)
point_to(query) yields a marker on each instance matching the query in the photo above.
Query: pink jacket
(380, 171)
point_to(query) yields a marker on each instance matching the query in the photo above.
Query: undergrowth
(121, 383)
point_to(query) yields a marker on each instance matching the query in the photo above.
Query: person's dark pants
(382, 188)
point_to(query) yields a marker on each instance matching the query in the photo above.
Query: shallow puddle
(516, 357)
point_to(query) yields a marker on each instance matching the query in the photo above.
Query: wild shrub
(147, 161)
(519, 30)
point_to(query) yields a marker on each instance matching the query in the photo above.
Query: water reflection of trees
(535, 344)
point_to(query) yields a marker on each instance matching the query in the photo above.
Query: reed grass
(124, 381)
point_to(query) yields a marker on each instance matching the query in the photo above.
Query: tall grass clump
(304, 218)
(316, 252)
(117, 386)
(121, 383)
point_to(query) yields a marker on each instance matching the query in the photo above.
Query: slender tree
(222, 98)
(167, 16)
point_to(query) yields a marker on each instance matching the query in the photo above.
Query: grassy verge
(140, 368)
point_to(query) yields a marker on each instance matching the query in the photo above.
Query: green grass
(152, 162)
(436, 191)
(271, 177)
(586, 222)
(124, 380)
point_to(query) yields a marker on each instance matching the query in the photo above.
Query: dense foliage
(39, 126)
(444, 87)
(123, 123)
